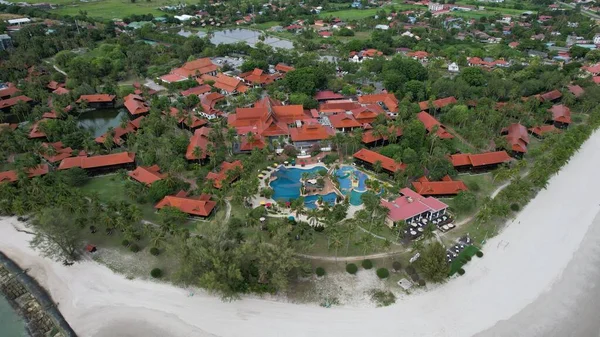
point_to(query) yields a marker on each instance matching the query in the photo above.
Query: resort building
(12, 176)
(98, 101)
(411, 207)
(198, 206)
(561, 116)
(438, 103)
(517, 138)
(368, 113)
(327, 95)
(35, 132)
(576, 90)
(258, 78)
(226, 174)
(373, 138)
(192, 69)
(208, 102)
(385, 100)
(311, 134)
(120, 133)
(551, 96)
(369, 160)
(479, 162)
(227, 85)
(344, 122)
(199, 90)
(198, 147)
(100, 164)
(543, 130)
(445, 188)
(56, 152)
(283, 68)
(432, 124)
(135, 105)
(8, 90)
(186, 119)
(7, 104)
(147, 175)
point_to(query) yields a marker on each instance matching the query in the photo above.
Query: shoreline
(521, 265)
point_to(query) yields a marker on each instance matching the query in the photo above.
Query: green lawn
(469, 251)
(350, 14)
(112, 188)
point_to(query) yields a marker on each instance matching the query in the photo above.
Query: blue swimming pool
(287, 184)
(352, 183)
(310, 200)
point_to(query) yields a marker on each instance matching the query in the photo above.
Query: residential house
(431, 123)
(226, 174)
(283, 68)
(479, 162)
(411, 207)
(453, 67)
(445, 188)
(100, 164)
(198, 146)
(369, 159)
(561, 115)
(147, 175)
(421, 56)
(200, 206)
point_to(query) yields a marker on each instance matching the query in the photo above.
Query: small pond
(100, 120)
(232, 36)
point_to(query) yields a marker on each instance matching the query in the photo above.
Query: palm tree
(197, 153)
(157, 238)
(313, 216)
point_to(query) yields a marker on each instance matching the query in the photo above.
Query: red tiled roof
(481, 159)
(410, 204)
(12, 176)
(438, 103)
(199, 90)
(59, 151)
(343, 120)
(219, 177)
(551, 95)
(338, 106)
(229, 84)
(389, 100)
(201, 205)
(119, 131)
(429, 122)
(53, 85)
(136, 105)
(246, 145)
(171, 78)
(370, 136)
(61, 91)
(517, 137)
(257, 76)
(540, 131)
(98, 98)
(561, 114)
(310, 132)
(372, 157)
(327, 95)
(199, 139)
(283, 68)
(98, 161)
(194, 68)
(11, 90)
(35, 131)
(147, 174)
(594, 69)
(9, 102)
(576, 90)
(445, 187)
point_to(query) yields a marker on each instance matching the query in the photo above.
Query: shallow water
(100, 120)
(231, 36)
(11, 325)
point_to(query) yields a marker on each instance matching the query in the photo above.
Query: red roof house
(327, 95)
(344, 122)
(121, 133)
(576, 90)
(136, 105)
(55, 152)
(388, 100)
(97, 98)
(446, 187)
(12, 176)
(430, 123)
(108, 161)
(481, 160)
(199, 90)
(191, 69)
(147, 174)
(550, 96)
(438, 103)
(198, 140)
(283, 68)
(410, 206)
(9, 91)
(200, 206)
(8, 103)
(369, 158)
(257, 77)
(541, 131)
(310, 132)
(561, 115)
(221, 176)
(517, 137)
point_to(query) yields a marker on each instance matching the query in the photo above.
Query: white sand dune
(521, 265)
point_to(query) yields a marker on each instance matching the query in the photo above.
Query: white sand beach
(528, 267)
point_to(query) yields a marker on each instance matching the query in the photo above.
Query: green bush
(461, 271)
(134, 248)
(125, 243)
(383, 298)
(479, 253)
(154, 251)
(396, 265)
(367, 264)
(320, 271)
(156, 273)
(383, 273)
(515, 207)
(351, 268)
(468, 258)
(421, 283)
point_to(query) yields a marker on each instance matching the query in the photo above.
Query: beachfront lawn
(461, 259)
(112, 188)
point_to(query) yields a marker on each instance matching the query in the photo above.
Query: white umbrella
(262, 219)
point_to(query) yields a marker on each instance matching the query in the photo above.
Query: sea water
(11, 325)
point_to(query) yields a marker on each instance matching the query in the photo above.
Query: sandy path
(522, 263)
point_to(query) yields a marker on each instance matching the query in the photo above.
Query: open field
(107, 9)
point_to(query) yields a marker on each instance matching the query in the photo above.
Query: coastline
(522, 264)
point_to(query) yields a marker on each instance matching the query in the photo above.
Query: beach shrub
(515, 207)
(479, 253)
(383, 273)
(421, 283)
(410, 270)
(134, 248)
(468, 258)
(351, 268)
(154, 251)
(396, 265)
(125, 243)
(320, 271)
(156, 273)
(367, 264)
(383, 298)
(461, 271)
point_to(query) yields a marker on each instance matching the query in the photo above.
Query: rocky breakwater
(32, 302)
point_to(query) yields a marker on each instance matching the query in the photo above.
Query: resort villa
(100, 164)
(147, 175)
(198, 206)
(98, 101)
(226, 174)
(370, 159)
(432, 124)
(12, 176)
(479, 162)
(198, 147)
(445, 188)
(192, 69)
(413, 208)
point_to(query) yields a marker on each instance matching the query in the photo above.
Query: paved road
(584, 12)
